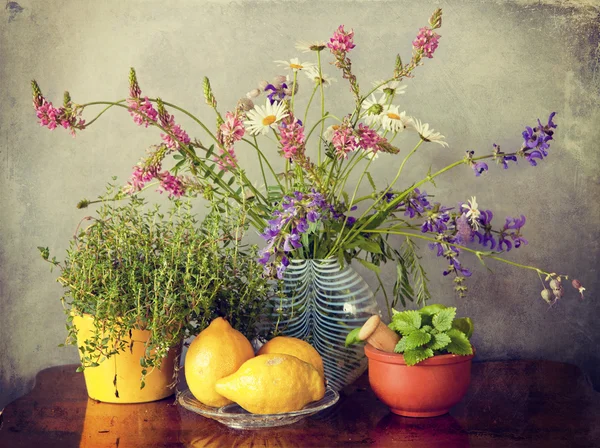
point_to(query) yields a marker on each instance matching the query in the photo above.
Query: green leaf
(352, 338)
(373, 186)
(406, 322)
(369, 246)
(459, 343)
(417, 355)
(79, 369)
(432, 309)
(416, 339)
(465, 325)
(439, 341)
(369, 265)
(400, 346)
(442, 321)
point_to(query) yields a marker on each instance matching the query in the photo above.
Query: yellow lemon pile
(284, 376)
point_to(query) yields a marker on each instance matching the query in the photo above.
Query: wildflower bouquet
(309, 209)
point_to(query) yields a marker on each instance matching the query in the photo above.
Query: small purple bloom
(479, 168)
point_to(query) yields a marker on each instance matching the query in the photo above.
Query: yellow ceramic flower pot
(126, 365)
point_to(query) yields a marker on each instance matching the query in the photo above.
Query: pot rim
(396, 358)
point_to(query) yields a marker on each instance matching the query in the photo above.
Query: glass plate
(234, 416)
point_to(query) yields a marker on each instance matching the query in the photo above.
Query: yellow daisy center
(296, 66)
(393, 116)
(269, 120)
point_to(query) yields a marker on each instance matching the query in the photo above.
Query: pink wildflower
(291, 138)
(171, 184)
(47, 114)
(231, 131)
(368, 139)
(341, 42)
(140, 176)
(142, 111)
(179, 135)
(344, 141)
(426, 41)
(226, 160)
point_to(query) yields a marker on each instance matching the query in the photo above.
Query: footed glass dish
(234, 416)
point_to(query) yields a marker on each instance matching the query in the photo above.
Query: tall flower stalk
(310, 209)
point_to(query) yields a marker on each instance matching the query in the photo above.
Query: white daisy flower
(428, 135)
(473, 212)
(394, 121)
(373, 107)
(261, 119)
(328, 133)
(294, 64)
(390, 87)
(307, 47)
(313, 74)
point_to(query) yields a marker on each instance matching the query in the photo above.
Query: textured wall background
(499, 67)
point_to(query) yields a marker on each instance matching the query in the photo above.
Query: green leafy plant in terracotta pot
(419, 365)
(138, 281)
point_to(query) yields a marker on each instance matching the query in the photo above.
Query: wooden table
(514, 403)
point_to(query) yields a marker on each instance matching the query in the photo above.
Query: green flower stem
(215, 178)
(362, 99)
(385, 296)
(83, 106)
(478, 253)
(322, 119)
(192, 116)
(322, 105)
(348, 170)
(352, 201)
(294, 88)
(352, 234)
(260, 158)
(312, 95)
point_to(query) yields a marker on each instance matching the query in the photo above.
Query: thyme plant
(137, 267)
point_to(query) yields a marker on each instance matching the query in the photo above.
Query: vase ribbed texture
(322, 303)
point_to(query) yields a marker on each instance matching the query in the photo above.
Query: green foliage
(459, 343)
(352, 337)
(135, 267)
(406, 322)
(430, 331)
(464, 324)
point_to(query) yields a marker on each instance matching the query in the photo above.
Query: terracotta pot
(427, 389)
(99, 380)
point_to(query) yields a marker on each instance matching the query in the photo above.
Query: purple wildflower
(416, 203)
(437, 219)
(536, 140)
(502, 158)
(284, 232)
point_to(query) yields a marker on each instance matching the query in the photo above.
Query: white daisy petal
(373, 108)
(428, 135)
(262, 119)
(312, 73)
(307, 47)
(395, 87)
(294, 64)
(393, 120)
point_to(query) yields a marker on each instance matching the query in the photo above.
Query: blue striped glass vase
(322, 302)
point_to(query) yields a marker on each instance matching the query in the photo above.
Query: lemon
(273, 384)
(295, 347)
(218, 351)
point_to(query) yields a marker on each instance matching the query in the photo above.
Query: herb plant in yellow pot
(138, 282)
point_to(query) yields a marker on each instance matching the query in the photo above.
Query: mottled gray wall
(500, 65)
